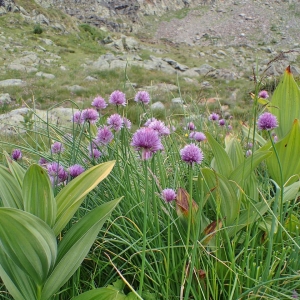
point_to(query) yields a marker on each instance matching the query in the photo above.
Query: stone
(45, 75)
(21, 67)
(204, 69)
(75, 88)
(41, 19)
(158, 106)
(90, 78)
(48, 42)
(12, 82)
(5, 99)
(177, 101)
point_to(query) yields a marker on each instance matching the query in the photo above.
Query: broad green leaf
(248, 132)
(285, 103)
(251, 187)
(38, 194)
(70, 197)
(28, 241)
(244, 170)
(290, 192)
(17, 171)
(75, 246)
(288, 150)
(10, 191)
(103, 294)
(19, 285)
(249, 215)
(224, 191)
(221, 162)
(234, 150)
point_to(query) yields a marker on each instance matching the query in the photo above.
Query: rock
(204, 69)
(206, 84)
(47, 42)
(12, 82)
(21, 67)
(5, 99)
(75, 88)
(45, 75)
(2, 11)
(191, 73)
(177, 101)
(41, 19)
(63, 68)
(90, 78)
(158, 106)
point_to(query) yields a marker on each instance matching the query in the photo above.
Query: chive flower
(267, 121)
(191, 126)
(77, 118)
(99, 103)
(16, 154)
(90, 115)
(104, 136)
(191, 154)
(142, 97)
(57, 148)
(197, 136)
(222, 122)
(115, 122)
(94, 153)
(160, 127)
(117, 98)
(168, 195)
(214, 117)
(147, 141)
(263, 94)
(76, 170)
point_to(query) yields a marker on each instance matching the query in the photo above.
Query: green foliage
(37, 29)
(94, 33)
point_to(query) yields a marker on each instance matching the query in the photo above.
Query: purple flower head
(77, 118)
(99, 103)
(104, 135)
(263, 94)
(267, 121)
(117, 98)
(149, 121)
(76, 170)
(229, 127)
(275, 138)
(95, 153)
(115, 122)
(57, 148)
(56, 172)
(198, 136)
(248, 153)
(168, 195)
(160, 127)
(249, 145)
(214, 117)
(191, 154)
(43, 161)
(191, 126)
(90, 115)
(146, 140)
(295, 295)
(127, 123)
(222, 122)
(142, 97)
(16, 154)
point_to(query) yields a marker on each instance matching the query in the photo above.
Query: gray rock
(63, 68)
(90, 78)
(177, 101)
(5, 99)
(41, 19)
(191, 73)
(12, 82)
(47, 42)
(157, 106)
(21, 67)
(204, 69)
(118, 64)
(2, 11)
(75, 88)
(45, 75)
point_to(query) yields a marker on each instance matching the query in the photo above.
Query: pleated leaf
(75, 246)
(16, 170)
(223, 191)
(10, 191)
(244, 170)
(234, 150)
(29, 242)
(19, 284)
(221, 162)
(38, 195)
(285, 103)
(288, 150)
(70, 197)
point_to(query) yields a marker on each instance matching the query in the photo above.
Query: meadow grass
(231, 233)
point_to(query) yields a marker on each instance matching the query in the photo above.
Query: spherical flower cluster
(191, 126)
(191, 154)
(127, 123)
(43, 161)
(16, 154)
(168, 195)
(99, 103)
(197, 136)
(267, 121)
(229, 127)
(90, 115)
(94, 153)
(56, 173)
(77, 117)
(248, 153)
(214, 117)
(104, 136)
(76, 170)
(222, 122)
(160, 127)
(149, 121)
(142, 97)
(115, 122)
(146, 140)
(117, 98)
(263, 94)
(57, 148)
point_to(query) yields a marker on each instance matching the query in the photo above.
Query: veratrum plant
(33, 265)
